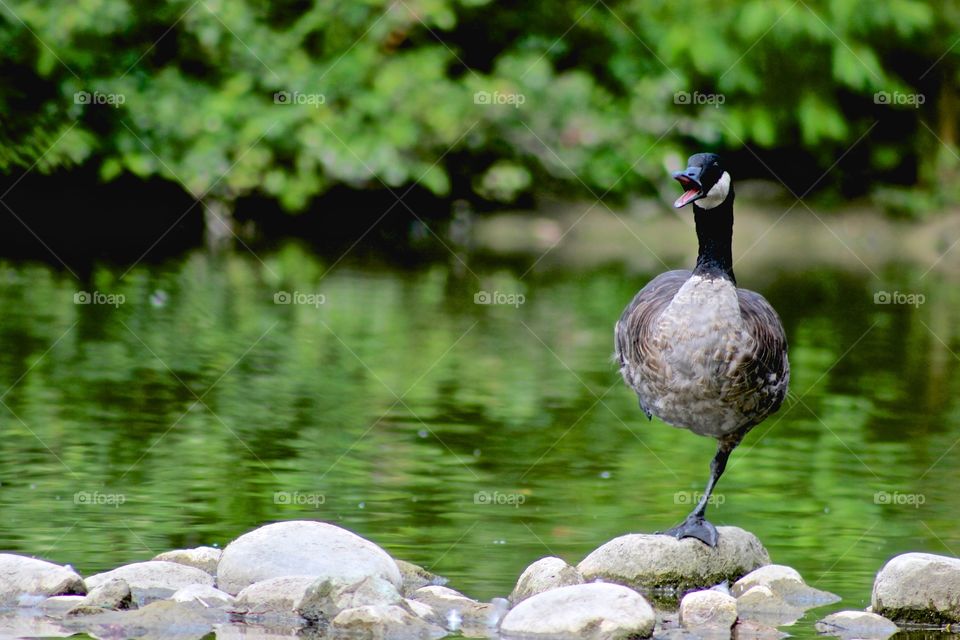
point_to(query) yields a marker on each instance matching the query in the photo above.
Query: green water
(190, 416)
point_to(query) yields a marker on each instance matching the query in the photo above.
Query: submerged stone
(852, 625)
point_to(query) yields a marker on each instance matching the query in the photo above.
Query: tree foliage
(288, 98)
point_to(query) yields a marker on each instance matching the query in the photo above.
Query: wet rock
(857, 624)
(708, 609)
(414, 576)
(595, 611)
(543, 575)
(787, 583)
(753, 630)
(20, 575)
(762, 605)
(302, 547)
(456, 611)
(57, 606)
(153, 580)
(208, 596)
(114, 594)
(23, 624)
(650, 561)
(163, 619)
(203, 558)
(324, 599)
(383, 622)
(920, 588)
(273, 599)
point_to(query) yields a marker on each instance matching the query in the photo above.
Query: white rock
(787, 583)
(455, 611)
(57, 606)
(112, 594)
(302, 548)
(273, 596)
(761, 604)
(204, 594)
(543, 575)
(708, 609)
(857, 624)
(645, 561)
(594, 611)
(203, 558)
(918, 587)
(20, 575)
(384, 622)
(153, 580)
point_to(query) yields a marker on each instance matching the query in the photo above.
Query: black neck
(715, 233)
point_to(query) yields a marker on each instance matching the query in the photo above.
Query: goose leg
(696, 524)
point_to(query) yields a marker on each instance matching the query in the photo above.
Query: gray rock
(20, 575)
(594, 611)
(383, 622)
(647, 561)
(153, 580)
(274, 599)
(302, 547)
(919, 588)
(708, 608)
(114, 594)
(206, 595)
(415, 576)
(753, 630)
(543, 575)
(57, 606)
(324, 599)
(457, 612)
(787, 583)
(203, 558)
(762, 605)
(857, 624)
(22, 624)
(163, 619)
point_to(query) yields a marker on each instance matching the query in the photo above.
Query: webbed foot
(694, 527)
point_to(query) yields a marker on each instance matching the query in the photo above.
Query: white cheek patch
(717, 194)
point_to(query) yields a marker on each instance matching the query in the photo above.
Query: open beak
(690, 179)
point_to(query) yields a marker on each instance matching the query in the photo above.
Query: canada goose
(701, 353)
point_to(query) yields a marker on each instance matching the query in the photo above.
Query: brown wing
(638, 323)
(764, 374)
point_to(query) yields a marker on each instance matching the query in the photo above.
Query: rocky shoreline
(313, 579)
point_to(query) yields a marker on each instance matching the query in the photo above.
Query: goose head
(705, 182)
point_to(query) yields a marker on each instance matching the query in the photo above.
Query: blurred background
(361, 262)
